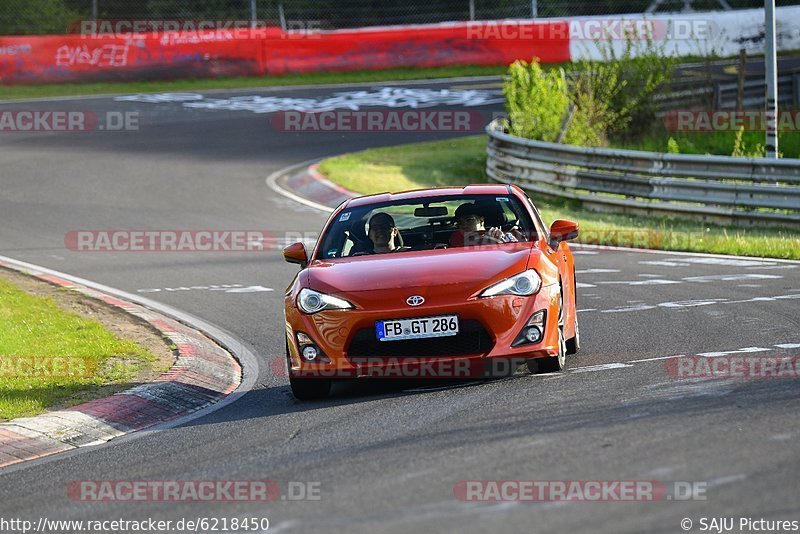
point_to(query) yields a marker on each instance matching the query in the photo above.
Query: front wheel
(310, 388)
(574, 343)
(553, 364)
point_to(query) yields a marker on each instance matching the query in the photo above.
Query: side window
(543, 230)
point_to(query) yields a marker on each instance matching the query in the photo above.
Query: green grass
(11, 92)
(719, 142)
(49, 357)
(461, 161)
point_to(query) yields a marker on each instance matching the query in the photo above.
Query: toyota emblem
(415, 300)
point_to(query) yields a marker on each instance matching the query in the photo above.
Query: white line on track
(622, 365)
(272, 183)
(746, 350)
(269, 89)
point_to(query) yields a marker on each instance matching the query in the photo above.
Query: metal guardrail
(718, 188)
(701, 94)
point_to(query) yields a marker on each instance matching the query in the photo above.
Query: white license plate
(419, 327)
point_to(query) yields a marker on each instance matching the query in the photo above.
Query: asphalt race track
(388, 459)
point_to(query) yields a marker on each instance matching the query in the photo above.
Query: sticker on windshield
(501, 199)
(345, 216)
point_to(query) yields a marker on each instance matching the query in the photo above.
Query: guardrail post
(796, 90)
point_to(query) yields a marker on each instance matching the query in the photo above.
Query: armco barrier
(70, 58)
(719, 188)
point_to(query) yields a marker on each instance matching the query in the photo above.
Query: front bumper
(340, 337)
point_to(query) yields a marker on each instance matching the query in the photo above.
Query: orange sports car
(441, 283)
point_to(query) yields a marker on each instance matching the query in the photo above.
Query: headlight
(311, 301)
(523, 284)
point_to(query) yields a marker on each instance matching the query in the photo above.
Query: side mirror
(296, 253)
(562, 230)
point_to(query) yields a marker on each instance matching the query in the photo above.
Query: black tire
(310, 388)
(574, 343)
(553, 364)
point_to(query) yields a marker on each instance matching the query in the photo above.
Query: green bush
(540, 104)
(596, 100)
(629, 81)
(672, 146)
(537, 102)
(593, 113)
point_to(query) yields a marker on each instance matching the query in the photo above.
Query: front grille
(472, 338)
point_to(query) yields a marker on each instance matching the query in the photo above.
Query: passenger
(471, 229)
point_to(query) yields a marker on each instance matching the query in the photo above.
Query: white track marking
(591, 271)
(600, 367)
(732, 262)
(731, 277)
(272, 183)
(764, 299)
(746, 350)
(681, 255)
(650, 282)
(788, 345)
(583, 285)
(275, 89)
(664, 263)
(765, 267)
(690, 303)
(391, 97)
(656, 359)
(624, 309)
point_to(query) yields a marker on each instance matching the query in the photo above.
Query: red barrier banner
(420, 46)
(75, 58)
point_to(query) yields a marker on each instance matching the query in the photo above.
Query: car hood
(470, 269)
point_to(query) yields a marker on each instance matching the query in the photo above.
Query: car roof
(473, 189)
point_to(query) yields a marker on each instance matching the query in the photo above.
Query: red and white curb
(304, 183)
(204, 374)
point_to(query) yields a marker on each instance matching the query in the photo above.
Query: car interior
(424, 226)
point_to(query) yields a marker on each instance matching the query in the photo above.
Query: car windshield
(425, 224)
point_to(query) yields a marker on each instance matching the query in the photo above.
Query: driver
(471, 230)
(383, 233)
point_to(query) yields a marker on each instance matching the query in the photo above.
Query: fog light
(533, 334)
(310, 353)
